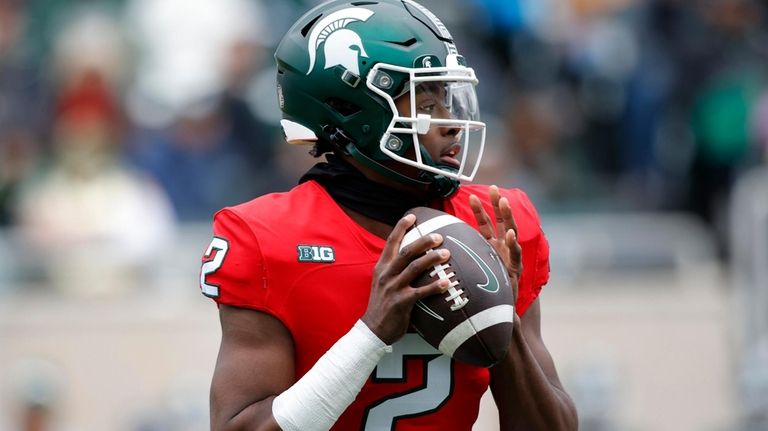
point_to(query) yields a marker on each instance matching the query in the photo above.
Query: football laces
(454, 293)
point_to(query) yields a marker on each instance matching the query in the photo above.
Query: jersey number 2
(210, 266)
(425, 399)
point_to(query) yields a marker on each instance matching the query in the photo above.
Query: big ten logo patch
(316, 253)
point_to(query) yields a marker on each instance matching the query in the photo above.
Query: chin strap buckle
(440, 185)
(337, 138)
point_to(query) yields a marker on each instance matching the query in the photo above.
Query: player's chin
(449, 163)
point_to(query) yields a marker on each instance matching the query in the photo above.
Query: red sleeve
(535, 249)
(233, 270)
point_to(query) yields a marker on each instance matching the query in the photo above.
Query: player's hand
(501, 233)
(392, 296)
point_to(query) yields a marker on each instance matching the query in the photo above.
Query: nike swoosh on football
(491, 282)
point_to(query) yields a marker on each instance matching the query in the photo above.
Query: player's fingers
(484, 224)
(515, 252)
(435, 287)
(396, 236)
(412, 251)
(505, 210)
(494, 196)
(418, 266)
(504, 219)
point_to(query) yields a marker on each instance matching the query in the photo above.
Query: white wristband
(316, 400)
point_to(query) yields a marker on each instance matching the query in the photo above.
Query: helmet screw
(385, 81)
(366, 129)
(394, 143)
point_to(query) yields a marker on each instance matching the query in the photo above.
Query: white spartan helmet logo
(340, 43)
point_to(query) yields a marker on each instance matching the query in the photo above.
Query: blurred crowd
(121, 118)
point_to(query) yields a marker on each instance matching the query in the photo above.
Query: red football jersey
(300, 258)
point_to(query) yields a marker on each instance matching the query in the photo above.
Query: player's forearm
(526, 398)
(255, 417)
(318, 398)
(312, 403)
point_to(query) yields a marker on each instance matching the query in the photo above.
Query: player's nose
(450, 131)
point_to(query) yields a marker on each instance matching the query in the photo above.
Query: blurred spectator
(753, 386)
(598, 385)
(731, 72)
(760, 126)
(24, 105)
(85, 212)
(197, 133)
(36, 384)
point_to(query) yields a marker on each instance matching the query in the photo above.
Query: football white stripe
(428, 227)
(484, 319)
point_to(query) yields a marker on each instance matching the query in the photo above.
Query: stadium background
(638, 127)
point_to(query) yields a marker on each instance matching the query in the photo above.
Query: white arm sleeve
(316, 400)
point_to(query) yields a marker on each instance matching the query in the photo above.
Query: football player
(313, 290)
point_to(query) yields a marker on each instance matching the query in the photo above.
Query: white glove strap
(316, 400)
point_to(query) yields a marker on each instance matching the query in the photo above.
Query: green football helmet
(342, 66)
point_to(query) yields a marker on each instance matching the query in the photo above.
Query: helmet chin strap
(368, 162)
(438, 185)
(442, 185)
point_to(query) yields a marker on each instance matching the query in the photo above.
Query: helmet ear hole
(343, 107)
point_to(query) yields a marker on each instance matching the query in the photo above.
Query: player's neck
(378, 228)
(370, 199)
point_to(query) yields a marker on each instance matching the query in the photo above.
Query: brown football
(473, 320)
